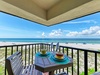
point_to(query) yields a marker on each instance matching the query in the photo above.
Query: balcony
(85, 61)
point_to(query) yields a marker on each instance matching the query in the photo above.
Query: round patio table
(47, 64)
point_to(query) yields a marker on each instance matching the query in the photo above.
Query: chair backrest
(14, 64)
(51, 46)
(57, 46)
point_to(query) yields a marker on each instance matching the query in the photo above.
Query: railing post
(95, 62)
(67, 55)
(5, 58)
(11, 50)
(77, 62)
(72, 64)
(22, 50)
(17, 48)
(85, 63)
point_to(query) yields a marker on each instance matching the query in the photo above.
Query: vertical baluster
(22, 50)
(59, 70)
(25, 53)
(72, 64)
(67, 55)
(11, 50)
(17, 48)
(95, 61)
(49, 47)
(39, 47)
(77, 62)
(29, 55)
(42, 45)
(63, 52)
(59, 51)
(56, 71)
(5, 58)
(55, 50)
(46, 46)
(32, 54)
(85, 63)
(35, 49)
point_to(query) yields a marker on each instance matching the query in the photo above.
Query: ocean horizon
(55, 40)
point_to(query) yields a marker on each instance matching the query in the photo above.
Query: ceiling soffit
(46, 4)
(64, 6)
(55, 12)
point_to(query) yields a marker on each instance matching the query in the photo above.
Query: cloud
(85, 21)
(54, 33)
(72, 34)
(43, 34)
(92, 31)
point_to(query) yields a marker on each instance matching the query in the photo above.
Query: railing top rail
(88, 50)
(20, 45)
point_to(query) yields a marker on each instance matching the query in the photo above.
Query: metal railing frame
(30, 49)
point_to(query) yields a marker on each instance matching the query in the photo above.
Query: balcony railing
(84, 61)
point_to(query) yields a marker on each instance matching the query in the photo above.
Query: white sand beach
(76, 45)
(83, 46)
(12, 43)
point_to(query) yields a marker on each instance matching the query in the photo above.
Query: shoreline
(75, 45)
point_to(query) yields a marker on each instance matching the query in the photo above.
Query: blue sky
(85, 27)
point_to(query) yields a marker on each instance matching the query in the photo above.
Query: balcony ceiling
(49, 12)
(46, 4)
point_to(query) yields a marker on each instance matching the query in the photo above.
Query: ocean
(55, 40)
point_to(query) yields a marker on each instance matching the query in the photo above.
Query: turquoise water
(55, 40)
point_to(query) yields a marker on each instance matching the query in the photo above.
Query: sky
(84, 27)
